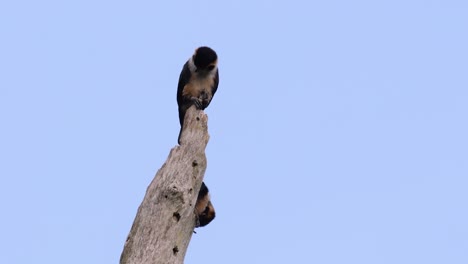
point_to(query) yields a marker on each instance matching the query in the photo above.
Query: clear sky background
(339, 132)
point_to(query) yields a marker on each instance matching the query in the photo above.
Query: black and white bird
(198, 82)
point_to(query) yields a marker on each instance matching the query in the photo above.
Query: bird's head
(205, 59)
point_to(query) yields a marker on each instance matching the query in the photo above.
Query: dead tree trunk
(165, 219)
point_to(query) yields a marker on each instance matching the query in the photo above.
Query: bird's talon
(197, 102)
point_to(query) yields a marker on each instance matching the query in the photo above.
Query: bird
(198, 82)
(204, 208)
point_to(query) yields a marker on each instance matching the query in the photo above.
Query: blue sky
(338, 132)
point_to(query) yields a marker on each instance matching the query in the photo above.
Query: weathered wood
(165, 220)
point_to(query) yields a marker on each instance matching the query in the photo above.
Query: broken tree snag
(165, 220)
(194, 124)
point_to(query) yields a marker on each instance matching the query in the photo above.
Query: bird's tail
(180, 134)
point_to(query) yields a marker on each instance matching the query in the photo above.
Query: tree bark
(165, 220)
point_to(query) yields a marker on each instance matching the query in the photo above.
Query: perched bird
(204, 208)
(198, 82)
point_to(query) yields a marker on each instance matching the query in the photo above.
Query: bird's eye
(211, 67)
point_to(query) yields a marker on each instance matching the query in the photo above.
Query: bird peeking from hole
(204, 208)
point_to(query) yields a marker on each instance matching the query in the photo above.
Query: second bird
(198, 82)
